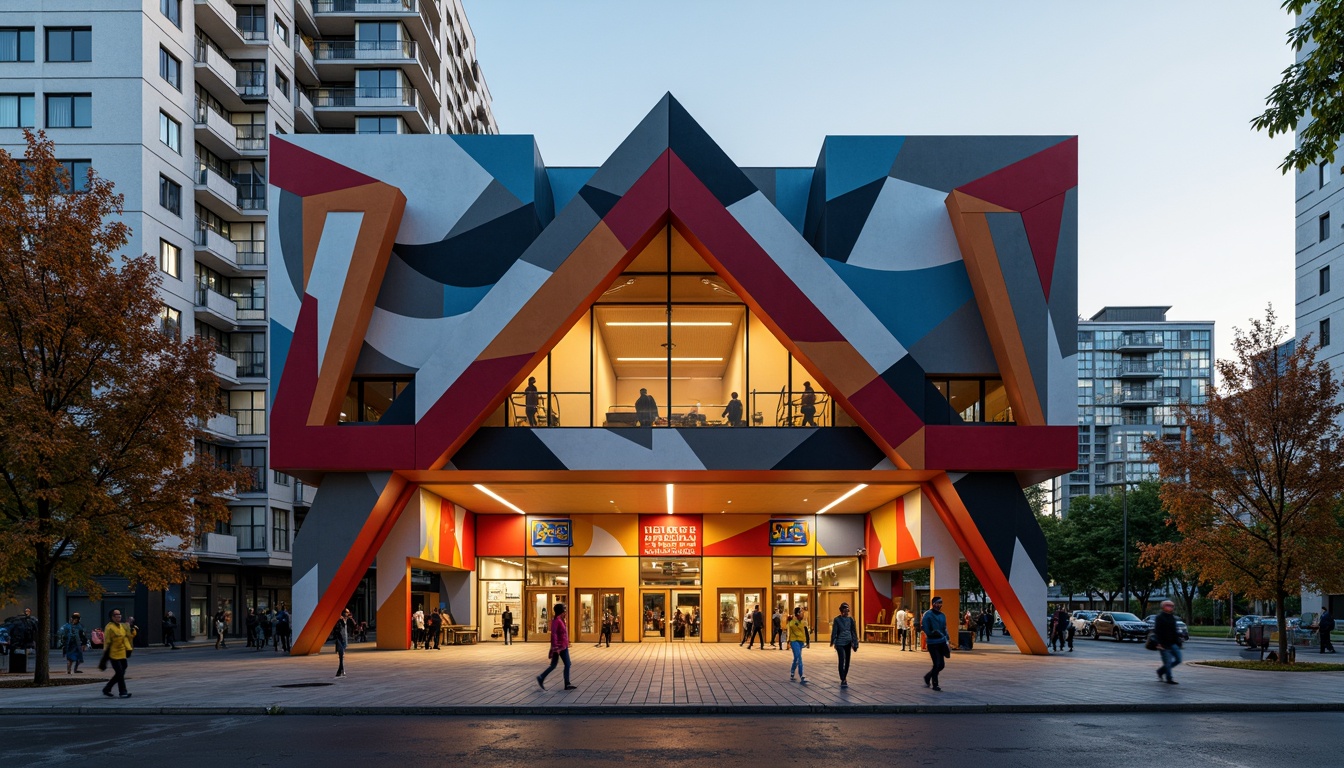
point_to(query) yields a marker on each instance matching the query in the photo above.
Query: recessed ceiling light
(662, 324)
(664, 359)
(669, 498)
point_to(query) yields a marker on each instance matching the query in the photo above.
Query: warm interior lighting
(675, 324)
(848, 493)
(664, 359)
(669, 498)
(498, 498)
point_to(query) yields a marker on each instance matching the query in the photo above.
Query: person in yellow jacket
(117, 642)
(799, 635)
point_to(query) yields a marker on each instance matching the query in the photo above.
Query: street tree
(1254, 492)
(101, 398)
(1309, 91)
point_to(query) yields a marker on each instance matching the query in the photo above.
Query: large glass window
(69, 110)
(249, 408)
(170, 321)
(251, 78)
(972, 401)
(172, 9)
(69, 44)
(16, 110)
(252, 22)
(280, 529)
(386, 124)
(548, 571)
(366, 400)
(249, 129)
(170, 195)
(248, 350)
(16, 44)
(249, 525)
(253, 461)
(250, 295)
(670, 571)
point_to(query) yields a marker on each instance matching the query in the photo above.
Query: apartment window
(1324, 224)
(170, 322)
(249, 129)
(16, 110)
(217, 338)
(248, 350)
(280, 529)
(77, 175)
(1325, 332)
(253, 461)
(69, 44)
(170, 69)
(280, 478)
(69, 110)
(250, 296)
(389, 124)
(16, 44)
(249, 525)
(281, 31)
(170, 133)
(1323, 170)
(1323, 280)
(172, 9)
(170, 259)
(249, 408)
(281, 82)
(252, 22)
(251, 79)
(170, 195)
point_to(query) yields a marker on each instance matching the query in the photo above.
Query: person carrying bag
(845, 640)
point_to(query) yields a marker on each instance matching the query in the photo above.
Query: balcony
(305, 120)
(214, 306)
(1140, 369)
(217, 193)
(337, 18)
(251, 255)
(219, 20)
(249, 365)
(336, 108)
(1141, 398)
(221, 428)
(304, 17)
(218, 545)
(215, 250)
(1140, 340)
(217, 75)
(364, 51)
(304, 66)
(250, 85)
(226, 370)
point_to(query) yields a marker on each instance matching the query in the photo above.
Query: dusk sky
(1180, 202)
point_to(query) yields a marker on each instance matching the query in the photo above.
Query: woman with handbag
(117, 652)
(845, 640)
(559, 648)
(934, 626)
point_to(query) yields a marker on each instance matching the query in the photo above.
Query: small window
(16, 110)
(1325, 332)
(170, 259)
(172, 9)
(389, 124)
(77, 175)
(1324, 173)
(1324, 223)
(282, 82)
(170, 195)
(170, 322)
(280, 529)
(170, 133)
(69, 110)
(252, 21)
(1323, 279)
(16, 44)
(170, 69)
(69, 44)
(281, 31)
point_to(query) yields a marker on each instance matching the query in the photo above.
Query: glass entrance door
(788, 600)
(654, 604)
(540, 608)
(735, 607)
(685, 622)
(830, 602)
(590, 607)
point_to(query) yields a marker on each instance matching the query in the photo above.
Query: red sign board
(670, 535)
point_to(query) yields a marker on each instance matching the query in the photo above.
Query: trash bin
(965, 640)
(18, 661)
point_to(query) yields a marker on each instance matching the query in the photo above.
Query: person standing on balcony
(809, 405)
(733, 412)
(646, 409)
(530, 400)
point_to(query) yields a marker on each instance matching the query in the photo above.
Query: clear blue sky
(1180, 202)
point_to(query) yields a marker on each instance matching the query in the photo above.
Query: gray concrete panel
(1024, 290)
(633, 157)
(958, 345)
(495, 201)
(558, 240)
(947, 162)
(1064, 283)
(407, 292)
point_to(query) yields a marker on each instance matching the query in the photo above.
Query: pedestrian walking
(72, 640)
(607, 621)
(934, 626)
(799, 637)
(283, 627)
(433, 628)
(117, 652)
(559, 648)
(507, 619)
(223, 619)
(170, 630)
(912, 629)
(250, 627)
(845, 640)
(417, 628)
(1325, 625)
(267, 622)
(777, 627)
(341, 634)
(1168, 641)
(757, 628)
(746, 628)
(1057, 632)
(901, 631)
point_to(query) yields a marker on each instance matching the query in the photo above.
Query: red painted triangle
(1032, 180)
(1042, 225)
(304, 173)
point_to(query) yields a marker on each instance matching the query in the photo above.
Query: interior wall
(769, 372)
(612, 572)
(604, 379)
(571, 368)
(729, 573)
(735, 375)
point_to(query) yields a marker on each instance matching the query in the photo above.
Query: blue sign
(788, 533)
(552, 533)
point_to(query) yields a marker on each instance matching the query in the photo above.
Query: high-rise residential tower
(173, 101)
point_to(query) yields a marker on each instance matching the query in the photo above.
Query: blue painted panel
(510, 159)
(791, 189)
(852, 161)
(457, 301)
(566, 183)
(909, 304)
(281, 338)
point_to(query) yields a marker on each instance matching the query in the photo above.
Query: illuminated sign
(669, 535)
(788, 533)
(552, 533)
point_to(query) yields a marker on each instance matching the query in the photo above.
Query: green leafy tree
(1310, 88)
(99, 398)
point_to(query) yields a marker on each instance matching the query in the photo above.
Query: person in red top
(559, 648)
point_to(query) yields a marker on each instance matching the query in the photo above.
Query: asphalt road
(997, 741)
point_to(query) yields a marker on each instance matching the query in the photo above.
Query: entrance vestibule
(591, 605)
(735, 607)
(670, 615)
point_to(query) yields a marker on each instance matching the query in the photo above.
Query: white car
(1082, 622)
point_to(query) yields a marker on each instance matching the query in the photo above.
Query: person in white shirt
(900, 627)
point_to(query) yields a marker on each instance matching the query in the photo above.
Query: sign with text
(670, 535)
(552, 532)
(788, 533)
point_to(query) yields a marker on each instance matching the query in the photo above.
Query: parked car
(1298, 635)
(1118, 626)
(1082, 621)
(1182, 631)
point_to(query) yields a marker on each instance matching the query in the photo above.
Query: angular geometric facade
(457, 264)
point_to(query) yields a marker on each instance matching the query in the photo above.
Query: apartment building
(1134, 367)
(174, 100)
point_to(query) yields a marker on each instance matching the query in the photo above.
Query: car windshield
(1124, 617)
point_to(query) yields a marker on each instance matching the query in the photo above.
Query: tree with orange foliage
(100, 400)
(1254, 491)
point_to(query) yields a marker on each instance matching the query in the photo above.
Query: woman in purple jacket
(559, 648)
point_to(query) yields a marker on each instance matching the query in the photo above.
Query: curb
(641, 710)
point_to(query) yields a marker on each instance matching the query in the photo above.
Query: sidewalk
(636, 678)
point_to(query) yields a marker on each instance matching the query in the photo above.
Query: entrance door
(654, 604)
(830, 602)
(735, 607)
(540, 606)
(685, 620)
(792, 599)
(590, 604)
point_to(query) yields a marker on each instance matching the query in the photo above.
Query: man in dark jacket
(1326, 624)
(433, 626)
(1168, 641)
(733, 412)
(646, 409)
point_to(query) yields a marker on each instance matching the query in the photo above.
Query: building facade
(174, 102)
(668, 387)
(1134, 368)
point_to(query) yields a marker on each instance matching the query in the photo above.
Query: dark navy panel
(506, 448)
(958, 345)
(910, 383)
(545, 201)
(792, 187)
(289, 219)
(836, 448)
(813, 219)
(764, 180)
(845, 217)
(475, 258)
(636, 153)
(371, 362)
(989, 497)
(710, 164)
(947, 162)
(926, 296)
(494, 201)
(565, 183)
(558, 241)
(407, 292)
(1024, 291)
(742, 447)
(1064, 283)
(599, 200)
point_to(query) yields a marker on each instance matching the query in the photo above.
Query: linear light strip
(498, 498)
(848, 493)
(664, 324)
(664, 359)
(669, 498)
